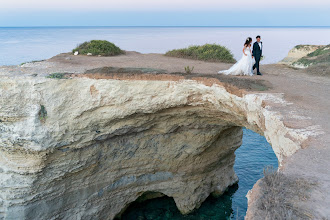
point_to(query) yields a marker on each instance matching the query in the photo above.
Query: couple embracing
(247, 64)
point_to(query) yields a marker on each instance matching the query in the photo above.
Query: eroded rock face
(298, 52)
(85, 148)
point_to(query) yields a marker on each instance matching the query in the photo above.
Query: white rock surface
(76, 53)
(100, 144)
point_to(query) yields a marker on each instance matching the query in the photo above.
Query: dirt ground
(309, 95)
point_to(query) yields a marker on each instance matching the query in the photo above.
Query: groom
(257, 53)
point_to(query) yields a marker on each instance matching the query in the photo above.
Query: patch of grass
(281, 196)
(188, 70)
(300, 46)
(320, 51)
(321, 56)
(98, 47)
(309, 61)
(56, 76)
(303, 62)
(250, 84)
(110, 70)
(33, 61)
(207, 52)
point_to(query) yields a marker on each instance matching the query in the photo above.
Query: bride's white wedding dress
(243, 66)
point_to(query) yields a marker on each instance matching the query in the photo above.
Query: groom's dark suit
(257, 53)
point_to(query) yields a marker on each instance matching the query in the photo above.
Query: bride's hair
(248, 41)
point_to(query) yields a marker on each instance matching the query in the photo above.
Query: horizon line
(171, 26)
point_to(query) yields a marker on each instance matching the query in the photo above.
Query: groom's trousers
(256, 65)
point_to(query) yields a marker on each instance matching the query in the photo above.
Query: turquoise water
(254, 154)
(18, 45)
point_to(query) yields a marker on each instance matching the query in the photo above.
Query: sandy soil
(308, 94)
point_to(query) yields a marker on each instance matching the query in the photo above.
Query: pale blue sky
(165, 13)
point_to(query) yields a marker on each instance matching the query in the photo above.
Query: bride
(245, 64)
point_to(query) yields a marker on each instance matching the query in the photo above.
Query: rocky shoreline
(88, 145)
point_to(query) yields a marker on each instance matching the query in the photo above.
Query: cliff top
(314, 58)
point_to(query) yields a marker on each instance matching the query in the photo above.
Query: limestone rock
(76, 53)
(85, 149)
(298, 52)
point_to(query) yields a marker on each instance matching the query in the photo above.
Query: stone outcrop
(86, 148)
(298, 52)
(313, 59)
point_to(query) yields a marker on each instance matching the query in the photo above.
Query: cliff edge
(89, 141)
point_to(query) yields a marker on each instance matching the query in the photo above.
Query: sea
(25, 44)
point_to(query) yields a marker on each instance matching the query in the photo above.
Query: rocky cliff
(298, 52)
(84, 148)
(314, 59)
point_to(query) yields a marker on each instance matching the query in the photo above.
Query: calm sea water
(251, 158)
(19, 45)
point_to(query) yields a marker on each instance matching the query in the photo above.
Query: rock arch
(104, 141)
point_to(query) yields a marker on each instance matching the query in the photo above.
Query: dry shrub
(282, 196)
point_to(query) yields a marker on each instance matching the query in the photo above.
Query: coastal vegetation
(318, 61)
(56, 76)
(207, 52)
(321, 51)
(281, 195)
(33, 61)
(188, 70)
(98, 47)
(321, 55)
(303, 46)
(127, 70)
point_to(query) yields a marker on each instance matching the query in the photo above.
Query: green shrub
(56, 76)
(98, 47)
(187, 69)
(207, 52)
(319, 56)
(300, 46)
(320, 51)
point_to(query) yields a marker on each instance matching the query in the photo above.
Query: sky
(15, 13)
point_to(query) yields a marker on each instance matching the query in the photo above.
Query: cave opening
(252, 157)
